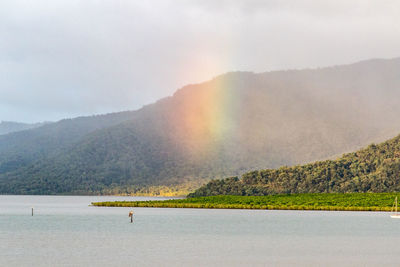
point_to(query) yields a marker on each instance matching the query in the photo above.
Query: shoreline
(370, 209)
(316, 201)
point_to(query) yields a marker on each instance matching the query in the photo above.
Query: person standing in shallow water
(131, 215)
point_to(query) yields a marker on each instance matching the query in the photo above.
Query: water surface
(66, 231)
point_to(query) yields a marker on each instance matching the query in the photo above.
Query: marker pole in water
(131, 215)
(32, 211)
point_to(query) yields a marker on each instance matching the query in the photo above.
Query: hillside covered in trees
(224, 127)
(373, 169)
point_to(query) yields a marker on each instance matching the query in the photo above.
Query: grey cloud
(67, 58)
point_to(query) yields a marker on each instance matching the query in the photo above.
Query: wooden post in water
(32, 211)
(131, 215)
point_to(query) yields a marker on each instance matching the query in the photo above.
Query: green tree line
(316, 201)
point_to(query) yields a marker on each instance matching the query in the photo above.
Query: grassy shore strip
(334, 201)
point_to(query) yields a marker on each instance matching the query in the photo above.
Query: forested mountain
(373, 169)
(231, 124)
(11, 126)
(23, 149)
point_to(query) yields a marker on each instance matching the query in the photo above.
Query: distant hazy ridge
(10, 126)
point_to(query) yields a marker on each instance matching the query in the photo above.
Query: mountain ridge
(233, 123)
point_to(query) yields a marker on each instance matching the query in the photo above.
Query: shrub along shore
(314, 201)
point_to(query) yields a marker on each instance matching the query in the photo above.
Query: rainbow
(208, 113)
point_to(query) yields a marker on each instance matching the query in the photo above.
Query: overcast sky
(61, 59)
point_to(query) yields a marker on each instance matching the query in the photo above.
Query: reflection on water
(66, 231)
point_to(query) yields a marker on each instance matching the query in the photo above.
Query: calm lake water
(66, 231)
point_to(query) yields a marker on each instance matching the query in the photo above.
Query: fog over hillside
(231, 124)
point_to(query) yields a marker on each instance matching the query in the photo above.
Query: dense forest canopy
(373, 169)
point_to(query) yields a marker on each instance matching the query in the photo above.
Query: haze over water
(66, 231)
